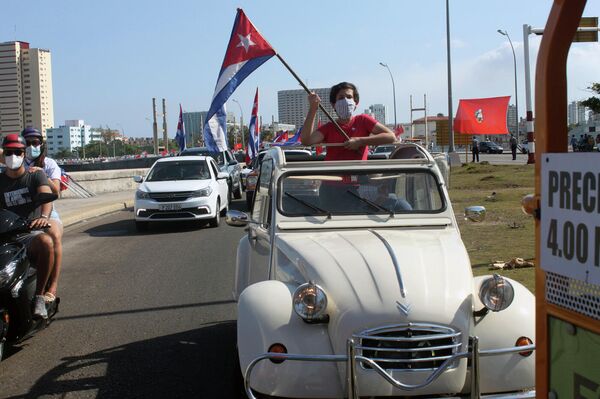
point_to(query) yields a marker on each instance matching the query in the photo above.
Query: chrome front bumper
(351, 359)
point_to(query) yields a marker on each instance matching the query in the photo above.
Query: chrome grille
(412, 346)
(171, 197)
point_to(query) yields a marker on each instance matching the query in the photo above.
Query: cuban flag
(246, 51)
(295, 139)
(280, 137)
(180, 135)
(254, 131)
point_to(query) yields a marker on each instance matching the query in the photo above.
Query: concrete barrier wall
(105, 181)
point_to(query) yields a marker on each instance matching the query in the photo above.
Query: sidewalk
(74, 210)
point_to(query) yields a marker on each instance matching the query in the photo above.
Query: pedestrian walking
(475, 149)
(513, 146)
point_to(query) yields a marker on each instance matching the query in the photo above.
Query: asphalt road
(141, 316)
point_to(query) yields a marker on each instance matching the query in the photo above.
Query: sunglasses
(34, 142)
(18, 153)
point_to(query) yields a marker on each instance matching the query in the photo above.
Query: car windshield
(380, 149)
(217, 156)
(367, 192)
(179, 170)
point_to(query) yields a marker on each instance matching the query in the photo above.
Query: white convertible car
(353, 281)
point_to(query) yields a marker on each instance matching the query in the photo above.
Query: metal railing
(351, 359)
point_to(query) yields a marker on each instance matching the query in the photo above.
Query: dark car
(227, 163)
(490, 147)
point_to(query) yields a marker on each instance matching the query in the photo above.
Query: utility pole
(165, 135)
(154, 126)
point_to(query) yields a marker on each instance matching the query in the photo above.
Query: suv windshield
(217, 156)
(352, 192)
(179, 170)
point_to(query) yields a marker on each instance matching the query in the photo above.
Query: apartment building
(25, 88)
(292, 106)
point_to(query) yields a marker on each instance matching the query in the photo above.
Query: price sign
(570, 215)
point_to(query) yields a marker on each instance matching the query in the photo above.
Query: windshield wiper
(371, 203)
(309, 205)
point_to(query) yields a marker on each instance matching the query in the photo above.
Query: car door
(221, 184)
(259, 233)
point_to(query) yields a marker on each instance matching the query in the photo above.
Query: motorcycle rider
(17, 190)
(36, 159)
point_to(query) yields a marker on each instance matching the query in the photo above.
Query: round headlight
(496, 293)
(309, 301)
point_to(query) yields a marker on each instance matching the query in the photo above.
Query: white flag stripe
(226, 76)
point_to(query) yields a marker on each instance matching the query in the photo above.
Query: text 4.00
(575, 243)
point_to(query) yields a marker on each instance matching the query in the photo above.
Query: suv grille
(171, 197)
(410, 346)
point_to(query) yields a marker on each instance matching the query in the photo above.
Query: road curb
(69, 220)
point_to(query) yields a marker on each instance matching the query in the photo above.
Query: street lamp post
(450, 117)
(394, 91)
(505, 33)
(241, 124)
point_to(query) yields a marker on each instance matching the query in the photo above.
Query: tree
(593, 103)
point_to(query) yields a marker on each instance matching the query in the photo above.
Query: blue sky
(110, 57)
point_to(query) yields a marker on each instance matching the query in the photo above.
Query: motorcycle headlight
(8, 272)
(496, 293)
(310, 302)
(205, 192)
(139, 194)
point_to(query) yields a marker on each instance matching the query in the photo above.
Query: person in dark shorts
(17, 191)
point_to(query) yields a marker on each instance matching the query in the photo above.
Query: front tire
(237, 194)
(216, 221)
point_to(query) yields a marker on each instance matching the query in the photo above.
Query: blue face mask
(32, 152)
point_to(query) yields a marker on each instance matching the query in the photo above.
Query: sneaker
(39, 307)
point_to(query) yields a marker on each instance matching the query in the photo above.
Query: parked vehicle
(250, 174)
(18, 280)
(524, 147)
(353, 281)
(384, 150)
(227, 163)
(490, 147)
(181, 188)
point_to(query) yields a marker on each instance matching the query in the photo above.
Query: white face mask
(13, 162)
(345, 107)
(32, 152)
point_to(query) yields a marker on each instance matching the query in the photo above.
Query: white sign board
(570, 215)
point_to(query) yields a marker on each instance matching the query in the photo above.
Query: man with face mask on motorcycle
(36, 159)
(17, 191)
(362, 129)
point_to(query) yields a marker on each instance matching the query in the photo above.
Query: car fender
(501, 330)
(242, 267)
(265, 317)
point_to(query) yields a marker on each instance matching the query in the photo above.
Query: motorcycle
(18, 280)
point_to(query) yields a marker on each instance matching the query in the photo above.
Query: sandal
(49, 297)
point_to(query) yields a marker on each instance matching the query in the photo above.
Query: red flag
(482, 116)
(398, 130)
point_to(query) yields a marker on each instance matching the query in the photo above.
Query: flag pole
(339, 129)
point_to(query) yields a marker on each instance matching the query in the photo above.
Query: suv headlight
(496, 293)
(310, 302)
(8, 272)
(139, 194)
(204, 192)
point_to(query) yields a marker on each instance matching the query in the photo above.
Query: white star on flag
(245, 42)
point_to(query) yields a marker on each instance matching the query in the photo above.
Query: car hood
(357, 272)
(173, 185)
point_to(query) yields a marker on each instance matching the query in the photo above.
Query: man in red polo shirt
(362, 129)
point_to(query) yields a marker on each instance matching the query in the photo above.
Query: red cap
(13, 141)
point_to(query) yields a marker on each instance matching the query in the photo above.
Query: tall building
(378, 111)
(292, 106)
(70, 136)
(193, 122)
(511, 120)
(576, 113)
(25, 88)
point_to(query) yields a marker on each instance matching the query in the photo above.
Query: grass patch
(506, 232)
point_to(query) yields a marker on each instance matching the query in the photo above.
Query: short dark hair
(341, 86)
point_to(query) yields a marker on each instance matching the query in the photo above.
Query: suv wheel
(237, 194)
(214, 222)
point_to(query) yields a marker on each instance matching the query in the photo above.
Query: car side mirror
(138, 179)
(222, 175)
(475, 213)
(236, 218)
